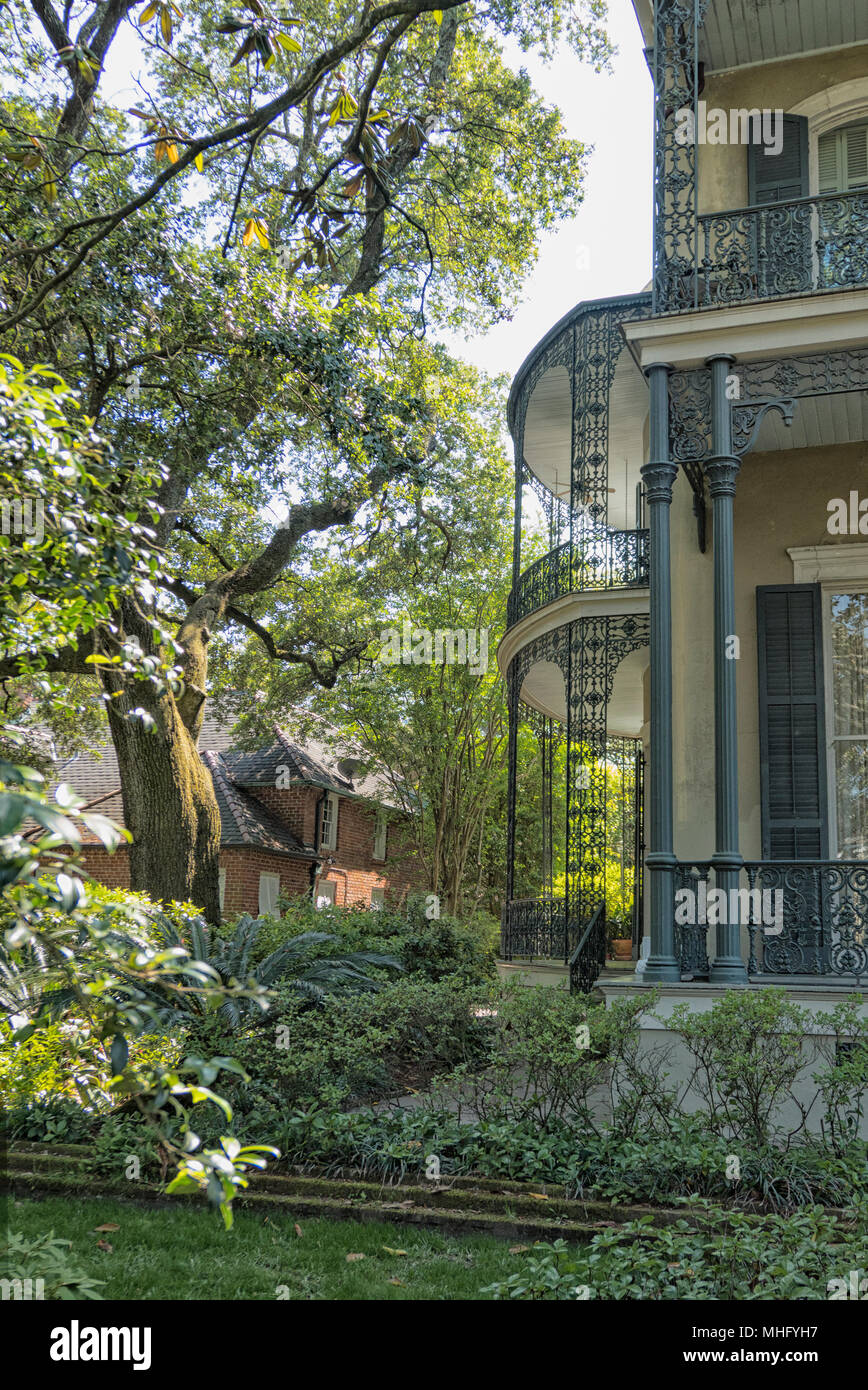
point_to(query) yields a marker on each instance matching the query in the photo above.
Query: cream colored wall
(781, 502)
(722, 169)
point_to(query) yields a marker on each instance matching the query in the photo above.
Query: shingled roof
(243, 820)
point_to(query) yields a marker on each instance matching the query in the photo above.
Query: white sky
(606, 249)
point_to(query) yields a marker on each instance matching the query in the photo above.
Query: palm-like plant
(291, 964)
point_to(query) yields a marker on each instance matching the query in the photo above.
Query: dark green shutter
(792, 732)
(780, 178)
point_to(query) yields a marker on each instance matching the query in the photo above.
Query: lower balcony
(601, 560)
(801, 918)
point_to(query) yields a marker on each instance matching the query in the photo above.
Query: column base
(727, 970)
(661, 970)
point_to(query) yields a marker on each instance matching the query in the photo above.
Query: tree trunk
(169, 804)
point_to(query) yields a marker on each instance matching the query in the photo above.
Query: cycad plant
(293, 964)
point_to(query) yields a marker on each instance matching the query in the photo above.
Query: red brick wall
(354, 871)
(243, 867)
(112, 870)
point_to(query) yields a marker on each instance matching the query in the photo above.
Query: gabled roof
(259, 768)
(243, 821)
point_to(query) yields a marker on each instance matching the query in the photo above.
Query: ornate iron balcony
(821, 929)
(599, 560)
(535, 928)
(808, 246)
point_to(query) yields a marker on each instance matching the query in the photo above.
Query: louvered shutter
(843, 159)
(792, 722)
(778, 178)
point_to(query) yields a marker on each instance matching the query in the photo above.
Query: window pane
(852, 794)
(850, 662)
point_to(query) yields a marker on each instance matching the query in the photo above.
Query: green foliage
(431, 949)
(47, 1258)
(53, 1119)
(722, 1256)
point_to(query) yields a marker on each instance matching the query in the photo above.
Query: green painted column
(659, 475)
(721, 470)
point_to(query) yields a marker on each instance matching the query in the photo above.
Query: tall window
(269, 888)
(380, 833)
(328, 836)
(325, 893)
(842, 157)
(848, 640)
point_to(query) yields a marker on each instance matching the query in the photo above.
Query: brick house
(294, 822)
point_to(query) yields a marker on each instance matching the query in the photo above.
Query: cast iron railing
(806, 246)
(588, 956)
(535, 928)
(599, 560)
(802, 918)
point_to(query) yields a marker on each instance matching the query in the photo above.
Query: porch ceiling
(819, 421)
(741, 32)
(544, 689)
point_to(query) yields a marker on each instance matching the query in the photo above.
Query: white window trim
(221, 880)
(837, 569)
(378, 906)
(830, 564)
(332, 799)
(827, 590)
(269, 879)
(836, 106)
(332, 896)
(381, 831)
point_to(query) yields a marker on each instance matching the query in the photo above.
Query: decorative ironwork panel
(823, 918)
(588, 954)
(805, 246)
(691, 936)
(675, 68)
(535, 928)
(609, 560)
(596, 648)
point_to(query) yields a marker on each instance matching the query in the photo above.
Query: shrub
(49, 1120)
(749, 1050)
(726, 1255)
(45, 1258)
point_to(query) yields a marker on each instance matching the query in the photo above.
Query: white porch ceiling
(818, 421)
(543, 688)
(739, 32)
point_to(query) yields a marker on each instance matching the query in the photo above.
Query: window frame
(380, 904)
(381, 832)
(331, 900)
(330, 802)
(827, 589)
(272, 877)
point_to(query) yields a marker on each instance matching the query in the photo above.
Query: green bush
(437, 949)
(49, 1120)
(728, 1255)
(45, 1258)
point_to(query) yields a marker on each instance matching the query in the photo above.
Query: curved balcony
(602, 559)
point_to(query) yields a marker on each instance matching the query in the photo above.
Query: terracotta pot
(622, 948)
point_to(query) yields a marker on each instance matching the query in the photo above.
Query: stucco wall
(781, 502)
(772, 86)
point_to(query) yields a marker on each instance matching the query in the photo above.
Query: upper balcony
(761, 150)
(578, 416)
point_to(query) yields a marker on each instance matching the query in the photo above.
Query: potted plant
(620, 939)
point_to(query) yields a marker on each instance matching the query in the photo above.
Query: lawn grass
(184, 1253)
